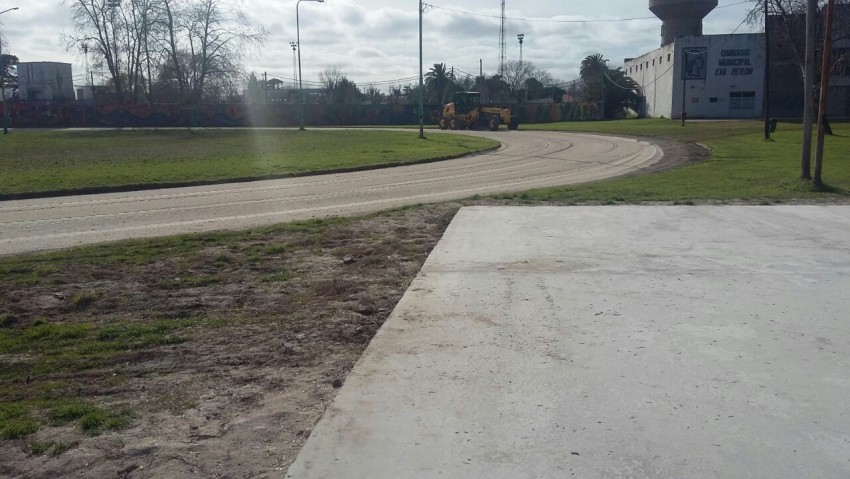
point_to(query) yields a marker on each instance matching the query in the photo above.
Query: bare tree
(197, 44)
(330, 78)
(515, 75)
(797, 28)
(217, 34)
(95, 24)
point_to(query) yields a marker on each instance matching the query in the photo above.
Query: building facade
(45, 81)
(713, 76)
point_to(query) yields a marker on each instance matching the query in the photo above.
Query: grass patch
(39, 161)
(742, 166)
(99, 420)
(280, 277)
(15, 421)
(52, 448)
(58, 347)
(41, 268)
(83, 299)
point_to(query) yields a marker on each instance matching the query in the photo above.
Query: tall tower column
(680, 17)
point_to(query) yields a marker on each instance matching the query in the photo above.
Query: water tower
(680, 17)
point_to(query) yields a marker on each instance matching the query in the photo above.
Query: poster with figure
(695, 63)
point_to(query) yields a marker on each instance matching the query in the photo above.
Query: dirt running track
(526, 160)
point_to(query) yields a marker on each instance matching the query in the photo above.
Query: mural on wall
(87, 114)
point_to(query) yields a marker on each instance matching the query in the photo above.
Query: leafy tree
(439, 84)
(495, 88)
(616, 90)
(8, 73)
(254, 91)
(411, 94)
(592, 71)
(621, 92)
(374, 95)
(346, 91)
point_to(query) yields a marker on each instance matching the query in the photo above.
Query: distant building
(717, 76)
(45, 81)
(85, 92)
(722, 76)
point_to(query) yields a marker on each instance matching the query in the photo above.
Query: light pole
(294, 64)
(3, 81)
(521, 38)
(300, 86)
(421, 81)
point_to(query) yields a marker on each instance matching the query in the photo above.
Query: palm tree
(438, 81)
(622, 93)
(593, 70)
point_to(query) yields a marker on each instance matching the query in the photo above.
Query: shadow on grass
(825, 188)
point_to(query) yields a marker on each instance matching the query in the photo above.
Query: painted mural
(87, 114)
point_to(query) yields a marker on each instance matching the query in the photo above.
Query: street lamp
(294, 64)
(3, 82)
(520, 37)
(298, 32)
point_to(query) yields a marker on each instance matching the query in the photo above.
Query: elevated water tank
(680, 17)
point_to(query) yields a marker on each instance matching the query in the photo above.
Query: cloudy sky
(377, 40)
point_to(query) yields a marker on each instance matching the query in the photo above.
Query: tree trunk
(809, 89)
(824, 92)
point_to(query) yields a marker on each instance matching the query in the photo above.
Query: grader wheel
(493, 123)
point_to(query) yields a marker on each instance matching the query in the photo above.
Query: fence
(87, 114)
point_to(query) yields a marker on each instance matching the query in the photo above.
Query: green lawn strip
(742, 166)
(57, 349)
(43, 161)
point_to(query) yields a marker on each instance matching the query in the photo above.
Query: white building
(717, 76)
(45, 81)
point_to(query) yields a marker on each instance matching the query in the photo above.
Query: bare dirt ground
(282, 316)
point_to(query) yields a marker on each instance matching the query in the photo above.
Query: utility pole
(809, 89)
(826, 66)
(294, 65)
(766, 95)
(265, 87)
(421, 81)
(502, 43)
(3, 81)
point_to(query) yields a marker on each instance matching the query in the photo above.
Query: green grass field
(38, 161)
(742, 166)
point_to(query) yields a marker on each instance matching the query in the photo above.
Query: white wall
(733, 84)
(654, 72)
(45, 81)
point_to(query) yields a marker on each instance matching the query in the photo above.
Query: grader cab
(467, 112)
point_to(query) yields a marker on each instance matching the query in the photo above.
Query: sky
(375, 41)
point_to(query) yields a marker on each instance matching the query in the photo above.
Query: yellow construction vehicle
(467, 112)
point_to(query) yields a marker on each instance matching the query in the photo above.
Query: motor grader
(467, 112)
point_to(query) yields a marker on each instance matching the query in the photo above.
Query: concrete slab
(608, 342)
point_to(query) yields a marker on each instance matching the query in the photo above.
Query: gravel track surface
(526, 160)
